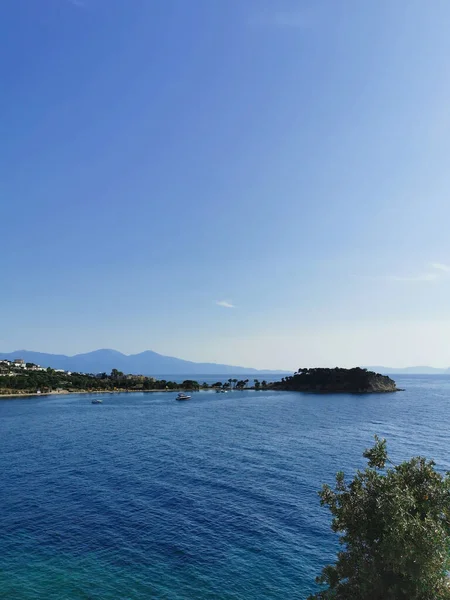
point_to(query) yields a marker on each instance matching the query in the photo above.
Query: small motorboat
(182, 396)
(97, 401)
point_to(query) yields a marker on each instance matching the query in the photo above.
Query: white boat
(97, 401)
(182, 396)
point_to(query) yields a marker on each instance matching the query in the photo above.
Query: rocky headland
(332, 381)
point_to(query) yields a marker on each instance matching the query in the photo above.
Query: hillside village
(12, 368)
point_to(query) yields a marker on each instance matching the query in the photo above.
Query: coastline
(124, 391)
(67, 393)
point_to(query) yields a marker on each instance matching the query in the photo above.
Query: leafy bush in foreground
(395, 531)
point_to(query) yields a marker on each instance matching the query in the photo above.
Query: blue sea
(212, 499)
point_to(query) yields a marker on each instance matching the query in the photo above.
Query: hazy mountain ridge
(144, 363)
(424, 370)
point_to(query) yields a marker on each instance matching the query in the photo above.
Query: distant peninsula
(423, 370)
(332, 381)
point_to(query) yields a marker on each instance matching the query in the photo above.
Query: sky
(254, 182)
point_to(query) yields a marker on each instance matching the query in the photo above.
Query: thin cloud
(422, 277)
(435, 271)
(225, 304)
(440, 267)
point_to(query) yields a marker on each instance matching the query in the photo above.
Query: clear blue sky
(289, 158)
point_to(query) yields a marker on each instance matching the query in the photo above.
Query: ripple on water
(144, 497)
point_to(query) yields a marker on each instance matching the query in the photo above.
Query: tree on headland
(115, 374)
(395, 531)
(190, 384)
(257, 384)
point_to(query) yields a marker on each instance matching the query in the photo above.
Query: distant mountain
(145, 363)
(409, 371)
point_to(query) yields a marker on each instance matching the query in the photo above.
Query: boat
(97, 401)
(182, 396)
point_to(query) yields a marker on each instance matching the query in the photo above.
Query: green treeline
(51, 380)
(21, 381)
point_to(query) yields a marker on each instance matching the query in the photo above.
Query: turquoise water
(145, 497)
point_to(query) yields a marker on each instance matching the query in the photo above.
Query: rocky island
(332, 381)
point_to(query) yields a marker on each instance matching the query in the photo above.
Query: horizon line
(380, 367)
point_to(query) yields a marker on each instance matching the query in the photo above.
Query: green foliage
(190, 384)
(335, 380)
(49, 380)
(395, 531)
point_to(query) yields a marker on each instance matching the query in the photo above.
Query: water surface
(216, 498)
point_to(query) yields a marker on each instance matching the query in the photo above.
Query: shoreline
(67, 393)
(124, 391)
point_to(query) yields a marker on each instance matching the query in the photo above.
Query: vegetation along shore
(19, 379)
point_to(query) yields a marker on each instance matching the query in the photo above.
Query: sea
(143, 497)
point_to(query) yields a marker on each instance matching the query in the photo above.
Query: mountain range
(144, 363)
(152, 363)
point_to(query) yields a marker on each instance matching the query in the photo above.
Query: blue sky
(160, 160)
